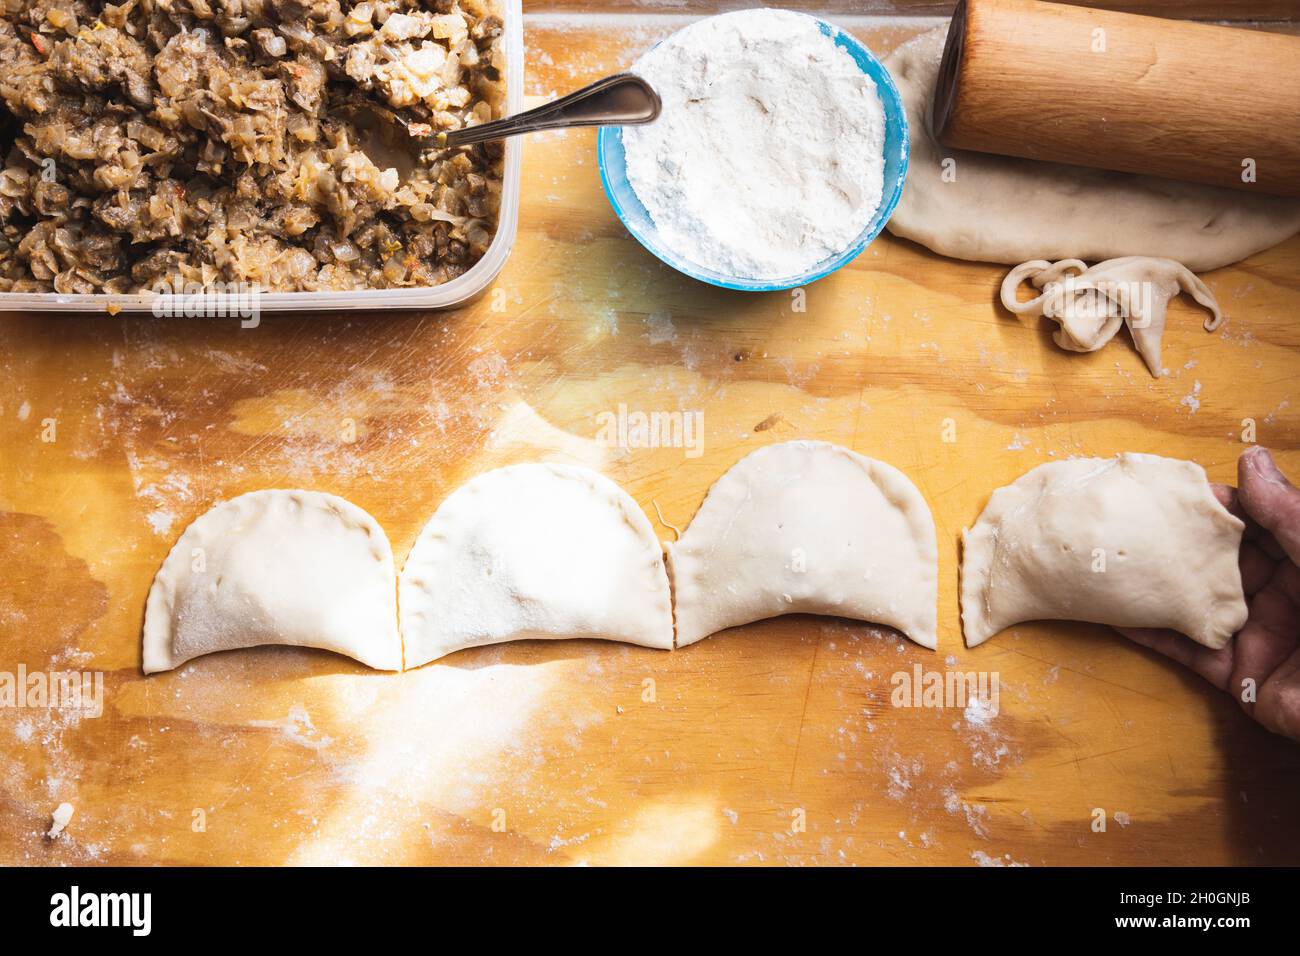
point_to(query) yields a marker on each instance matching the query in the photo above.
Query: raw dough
(276, 567)
(807, 527)
(1133, 541)
(1090, 303)
(59, 822)
(1003, 209)
(534, 551)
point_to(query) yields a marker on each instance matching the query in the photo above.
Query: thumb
(1266, 495)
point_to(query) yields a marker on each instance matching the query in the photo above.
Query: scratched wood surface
(273, 756)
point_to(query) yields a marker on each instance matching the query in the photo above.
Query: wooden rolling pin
(1190, 101)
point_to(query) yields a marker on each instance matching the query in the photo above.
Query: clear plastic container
(456, 292)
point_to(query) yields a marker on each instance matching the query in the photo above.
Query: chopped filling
(159, 143)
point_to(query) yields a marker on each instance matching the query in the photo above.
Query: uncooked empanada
(807, 527)
(1090, 303)
(301, 568)
(534, 551)
(1133, 541)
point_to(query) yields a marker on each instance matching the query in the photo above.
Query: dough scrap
(1090, 303)
(807, 527)
(61, 818)
(534, 551)
(300, 568)
(1132, 541)
(1006, 209)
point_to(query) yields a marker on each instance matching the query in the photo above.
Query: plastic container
(459, 290)
(613, 176)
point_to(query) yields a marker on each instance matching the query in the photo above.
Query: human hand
(1267, 649)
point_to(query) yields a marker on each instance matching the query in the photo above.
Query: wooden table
(552, 753)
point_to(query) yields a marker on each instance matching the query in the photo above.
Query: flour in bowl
(768, 156)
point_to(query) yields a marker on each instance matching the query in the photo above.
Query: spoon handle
(620, 100)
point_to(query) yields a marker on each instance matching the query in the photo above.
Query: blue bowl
(613, 176)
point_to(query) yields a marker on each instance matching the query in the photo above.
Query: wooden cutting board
(775, 743)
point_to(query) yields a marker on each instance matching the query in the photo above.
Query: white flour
(769, 154)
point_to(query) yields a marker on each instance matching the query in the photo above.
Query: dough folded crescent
(807, 527)
(1132, 541)
(300, 568)
(534, 551)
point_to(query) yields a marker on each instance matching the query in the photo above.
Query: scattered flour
(976, 813)
(900, 777)
(660, 328)
(983, 859)
(768, 156)
(980, 710)
(298, 727)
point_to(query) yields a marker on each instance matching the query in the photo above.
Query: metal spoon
(619, 100)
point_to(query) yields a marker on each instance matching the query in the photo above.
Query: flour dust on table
(768, 157)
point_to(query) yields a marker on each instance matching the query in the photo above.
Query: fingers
(1257, 567)
(1231, 500)
(1268, 639)
(1287, 580)
(1214, 666)
(1279, 699)
(1273, 502)
(1227, 496)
